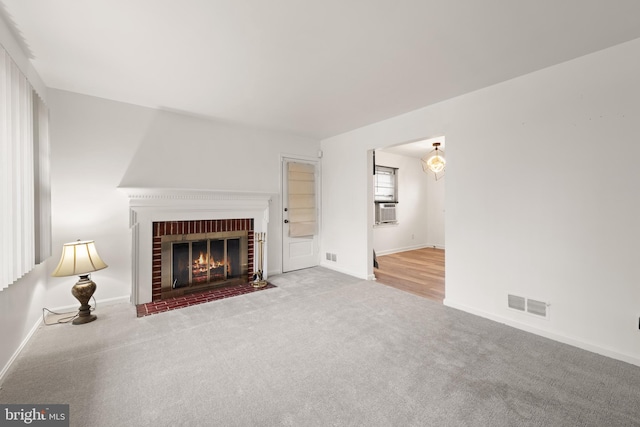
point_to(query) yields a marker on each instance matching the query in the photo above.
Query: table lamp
(80, 258)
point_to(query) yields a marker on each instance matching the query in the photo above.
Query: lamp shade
(79, 258)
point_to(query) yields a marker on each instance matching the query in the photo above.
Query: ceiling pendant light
(434, 162)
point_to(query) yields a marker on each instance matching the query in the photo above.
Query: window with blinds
(24, 175)
(385, 184)
(301, 184)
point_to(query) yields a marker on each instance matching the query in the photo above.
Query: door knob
(286, 221)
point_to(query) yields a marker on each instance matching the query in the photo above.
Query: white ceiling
(417, 149)
(316, 68)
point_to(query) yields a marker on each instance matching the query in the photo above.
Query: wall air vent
(517, 303)
(527, 305)
(538, 308)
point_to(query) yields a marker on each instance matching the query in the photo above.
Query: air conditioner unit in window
(386, 213)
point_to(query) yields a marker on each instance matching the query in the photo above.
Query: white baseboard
(106, 301)
(407, 248)
(115, 300)
(334, 267)
(24, 342)
(551, 335)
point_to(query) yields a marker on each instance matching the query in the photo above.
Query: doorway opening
(410, 252)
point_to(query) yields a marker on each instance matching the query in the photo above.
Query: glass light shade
(436, 163)
(79, 258)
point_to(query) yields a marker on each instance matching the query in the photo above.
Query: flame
(206, 265)
(200, 264)
(215, 264)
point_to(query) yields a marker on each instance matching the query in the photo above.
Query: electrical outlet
(328, 256)
(334, 257)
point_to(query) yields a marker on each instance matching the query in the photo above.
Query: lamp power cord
(67, 319)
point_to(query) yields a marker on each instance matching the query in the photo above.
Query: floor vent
(531, 306)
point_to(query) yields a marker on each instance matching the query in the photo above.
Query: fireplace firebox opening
(194, 262)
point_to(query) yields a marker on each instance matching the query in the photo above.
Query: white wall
(532, 207)
(100, 145)
(411, 230)
(92, 143)
(347, 216)
(436, 209)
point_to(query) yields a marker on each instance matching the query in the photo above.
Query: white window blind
(17, 178)
(42, 184)
(385, 184)
(301, 184)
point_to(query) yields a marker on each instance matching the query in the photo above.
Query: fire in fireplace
(198, 261)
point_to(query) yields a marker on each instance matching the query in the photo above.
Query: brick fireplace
(192, 256)
(160, 213)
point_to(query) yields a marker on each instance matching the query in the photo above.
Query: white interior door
(300, 213)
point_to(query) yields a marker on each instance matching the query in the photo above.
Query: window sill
(385, 224)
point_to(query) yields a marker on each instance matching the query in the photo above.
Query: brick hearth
(198, 298)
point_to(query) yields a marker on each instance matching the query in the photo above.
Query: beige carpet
(321, 349)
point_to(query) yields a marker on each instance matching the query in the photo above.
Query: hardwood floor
(420, 272)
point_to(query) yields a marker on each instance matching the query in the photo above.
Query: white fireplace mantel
(149, 205)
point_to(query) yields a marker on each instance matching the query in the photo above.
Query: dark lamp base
(83, 291)
(84, 319)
